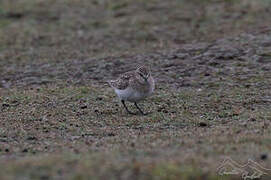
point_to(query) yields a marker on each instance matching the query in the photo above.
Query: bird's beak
(147, 77)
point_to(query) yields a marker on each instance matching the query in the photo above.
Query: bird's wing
(122, 82)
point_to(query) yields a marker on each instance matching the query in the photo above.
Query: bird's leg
(140, 109)
(122, 101)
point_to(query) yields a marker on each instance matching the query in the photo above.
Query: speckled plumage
(123, 81)
(134, 86)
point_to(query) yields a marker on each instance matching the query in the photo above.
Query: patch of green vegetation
(4, 23)
(83, 118)
(97, 166)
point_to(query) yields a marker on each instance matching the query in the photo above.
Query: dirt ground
(59, 119)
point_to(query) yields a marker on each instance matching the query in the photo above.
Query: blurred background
(65, 29)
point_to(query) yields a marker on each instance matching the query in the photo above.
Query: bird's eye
(141, 75)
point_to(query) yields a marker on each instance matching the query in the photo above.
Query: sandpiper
(134, 86)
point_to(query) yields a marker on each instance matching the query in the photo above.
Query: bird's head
(143, 72)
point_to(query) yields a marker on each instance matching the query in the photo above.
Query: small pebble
(5, 105)
(31, 138)
(24, 150)
(252, 119)
(83, 106)
(202, 124)
(264, 156)
(99, 98)
(111, 134)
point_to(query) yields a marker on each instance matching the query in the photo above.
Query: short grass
(60, 120)
(52, 129)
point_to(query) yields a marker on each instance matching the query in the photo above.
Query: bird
(134, 86)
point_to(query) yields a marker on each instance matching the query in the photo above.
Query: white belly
(130, 94)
